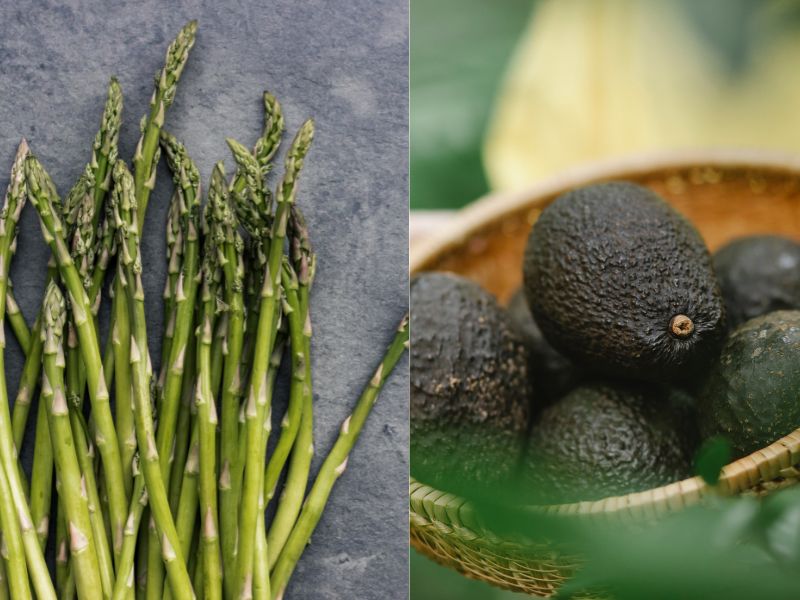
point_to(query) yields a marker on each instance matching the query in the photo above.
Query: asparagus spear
(62, 553)
(84, 219)
(82, 548)
(17, 321)
(105, 435)
(129, 276)
(42, 470)
(183, 429)
(218, 230)
(257, 401)
(261, 560)
(267, 145)
(290, 423)
(334, 465)
(15, 570)
(297, 478)
(14, 550)
(104, 149)
(42, 476)
(85, 453)
(187, 180)
(145, 160)
(123, 585)
(9, 217)
(27, 385)
(94, 181)
(186, 513)
(232, 377)
(147, 152)
(174, 258)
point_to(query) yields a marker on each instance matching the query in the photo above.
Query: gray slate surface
(343, 63)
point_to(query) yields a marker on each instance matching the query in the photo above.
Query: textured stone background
(345, 64)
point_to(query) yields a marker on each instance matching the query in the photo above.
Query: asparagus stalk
(187, 181)
(9, 217)
(257, 400)
(123, 585)
(84, 220)
(184, 428)
(85, 453)
(184, 292)
(145, 160)
(291, 420)
(62, 552)
(219, 228)
(42, 471)
(334, 465)
(261, 568)
(261, 560)
(232, 377)
(129, 276)
(105, 435)
(82, 548)
(174, 258)
(29, 379)
(4, 591)
(300, 465)
(17, 320)
(14, 550)
(42, 476)
(124, 420)
(186, 513)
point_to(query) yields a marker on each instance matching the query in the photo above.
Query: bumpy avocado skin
(469, 386)
(606, 269)
(552, 373)
(609, 438)
(752, 394)
(758, 274)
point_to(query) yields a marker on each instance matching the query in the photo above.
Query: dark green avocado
(608, 439)
(758, 274)
(552, 373)
(622, 284)
(752, 394)
(469, 386)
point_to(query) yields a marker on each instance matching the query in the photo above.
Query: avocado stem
(681, 326)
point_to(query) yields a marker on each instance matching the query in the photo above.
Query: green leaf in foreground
(714, 454)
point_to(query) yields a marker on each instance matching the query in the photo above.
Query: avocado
(622, 284)
(758, 274)
(752, 392)
(552, 373)
(470, 389)
(609, 438)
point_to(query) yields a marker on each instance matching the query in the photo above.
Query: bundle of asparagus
(184, 450)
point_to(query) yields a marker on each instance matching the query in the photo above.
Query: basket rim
(779, 459)
(457, 515)
(494, 206)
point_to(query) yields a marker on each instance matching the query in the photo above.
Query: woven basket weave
(726, 195)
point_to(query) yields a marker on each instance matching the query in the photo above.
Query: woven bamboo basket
(726, 194)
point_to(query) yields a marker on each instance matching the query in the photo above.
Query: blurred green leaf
(780, 527)
(714, 454)
(459, 51)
